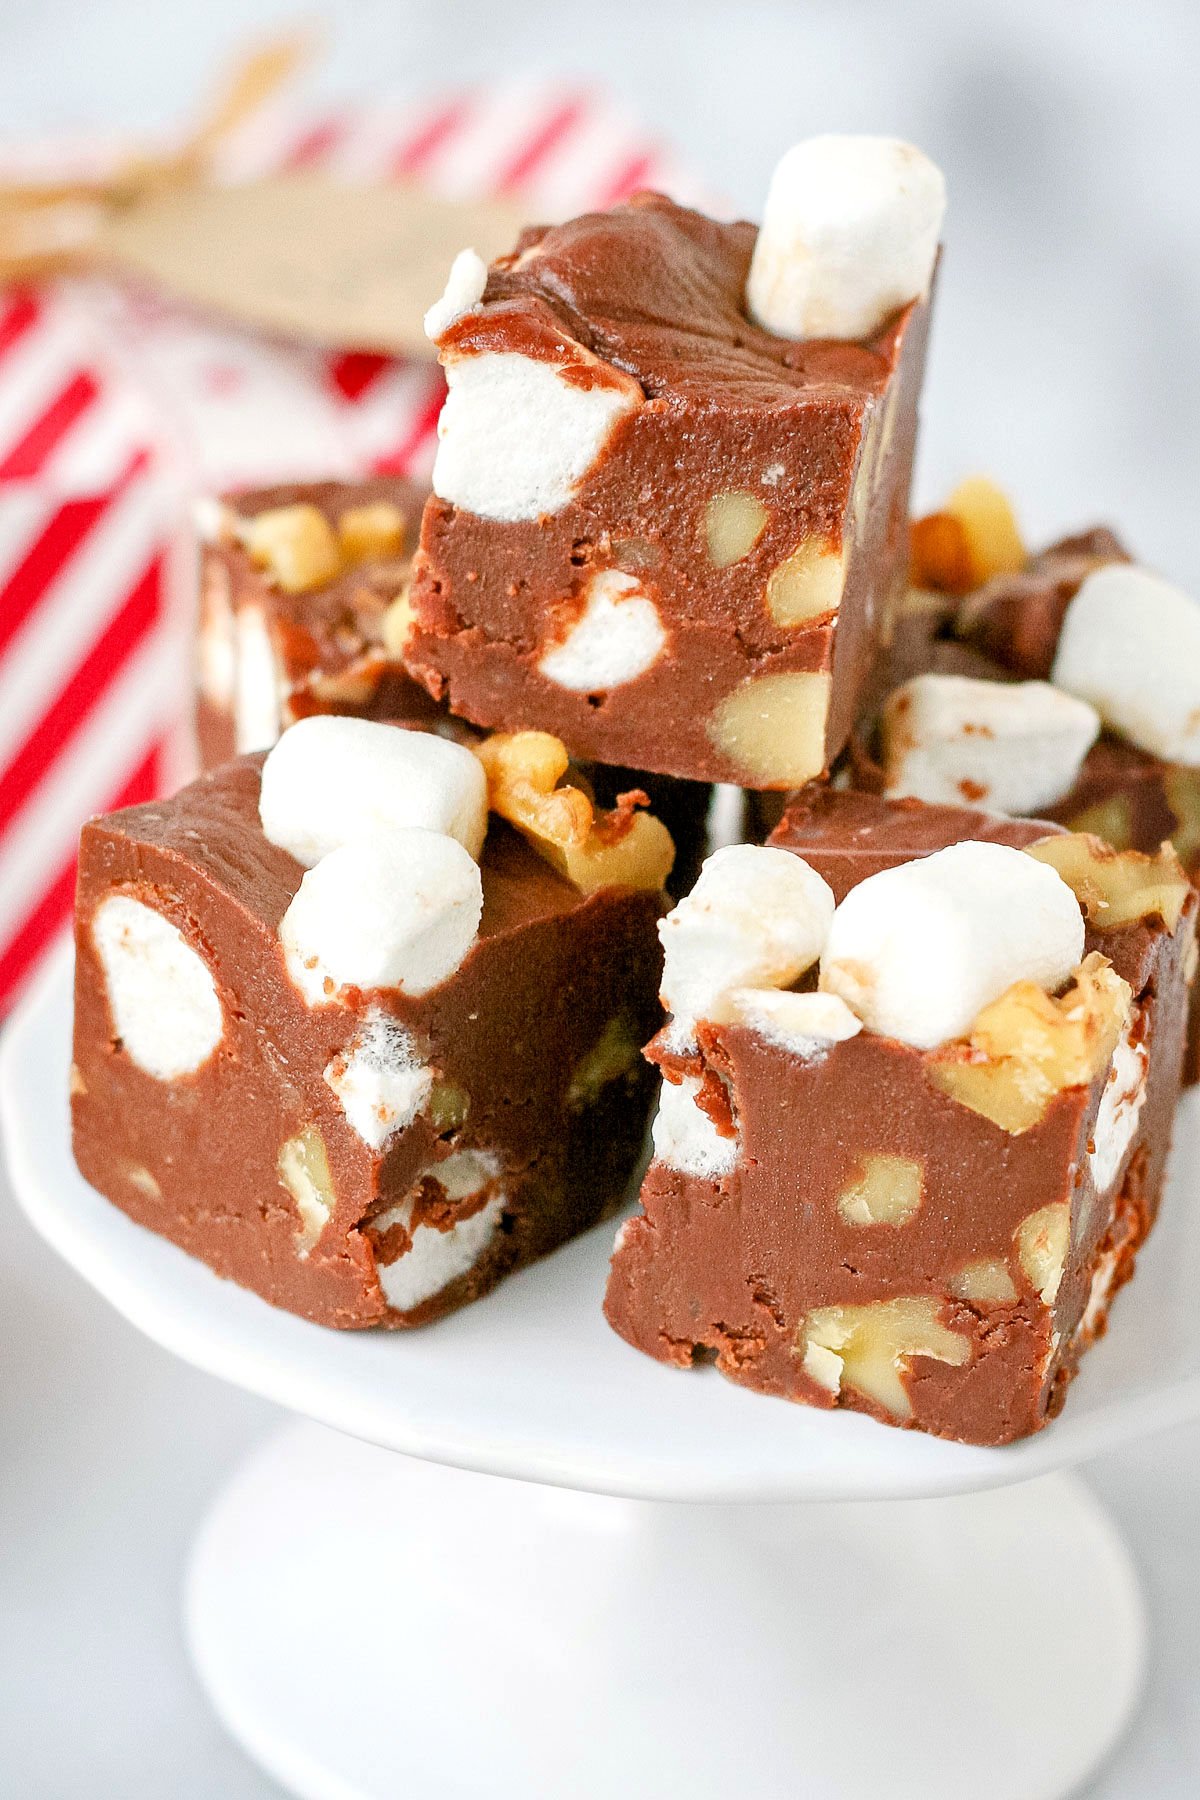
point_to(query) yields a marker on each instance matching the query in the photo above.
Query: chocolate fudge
(1133, 777)
(660, 529)
(869, 1189)
(302, 595)
(324, 1049)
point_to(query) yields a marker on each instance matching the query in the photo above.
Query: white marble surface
(1065, 360)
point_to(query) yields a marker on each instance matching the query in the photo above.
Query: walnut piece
(733, 524)
(869, 1347)
(807, 585)
(972, 538)
(300, 550)
(887, 1192)
(295, 545)
(1028, 1046)
(371, 533)
(304, 1171)
(985, 1280)
(398, 622)
(1183, 797)
(772, 728)
(620, 848)
(1117, 887)
(1043, 1240)
(1110, 819)
(448, 1107)
(612, 1056)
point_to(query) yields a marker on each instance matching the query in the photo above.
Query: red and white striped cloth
(115, 406)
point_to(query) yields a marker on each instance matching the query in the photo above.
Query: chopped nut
(372, 532)
(1183, 797)
(869, 1347)
(1028, 1046)
(985, 1280)
(733, 524)
(973, 537)
(807, 585)
(295, 545)
(448, 1107)
(620, 848)
(888, 1192)
(1117, 887)
(141, 1178)
(614, 1053)
(352, 686)
(1110, 819)
(1043, 1240)
(304, 1171)
(398, 622)
(773, 728)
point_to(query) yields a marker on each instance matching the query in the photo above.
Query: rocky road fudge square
(302, 603)
(921, 1069)
(353, 1042)
(668, 520)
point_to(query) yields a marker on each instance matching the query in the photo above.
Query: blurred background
(1065, 363)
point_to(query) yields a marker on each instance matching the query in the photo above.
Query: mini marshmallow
(462, 294)
(806, 1025)
(616, 638)
(161, 992)
(684, 1136)
(380, 1079)
(1012, 748)
(397, 910)
(919, 950)
(757, 917)
(1130, 643)
(330, 780)
(258, 684)
(849, 234)
(517, 436)
(436, 1258)
(1120, 1107)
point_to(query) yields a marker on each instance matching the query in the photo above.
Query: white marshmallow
(849, 234)
(1130, 643)
(1120, 1106)
(258, 684)
(919, 950)
(616, 638)
(330, 780)
(806, 1025)
(1012, 748)
(757, 917)
(436, 1258)
(684, 1136)
(516, 438)
(380, 1079)
(161, 992)
(398, 910)
(462, 294)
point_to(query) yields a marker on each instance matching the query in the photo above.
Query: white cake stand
(371, 1624)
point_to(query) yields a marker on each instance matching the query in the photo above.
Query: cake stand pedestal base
(369, 1626)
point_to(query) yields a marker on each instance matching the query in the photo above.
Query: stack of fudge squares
(371, 1014)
